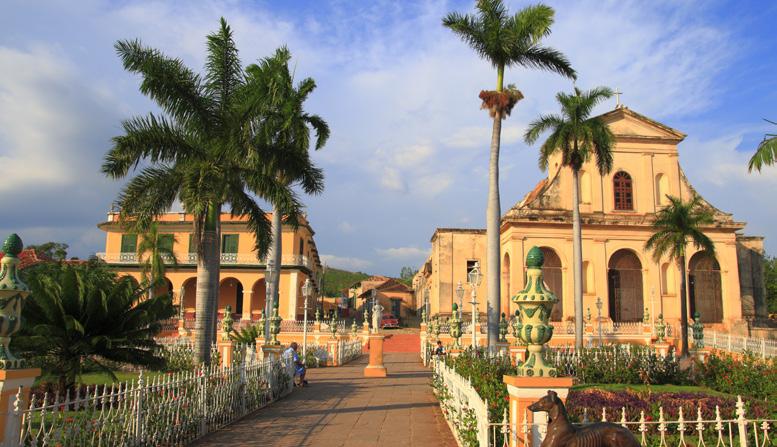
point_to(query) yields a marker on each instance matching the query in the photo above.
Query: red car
(389, 321)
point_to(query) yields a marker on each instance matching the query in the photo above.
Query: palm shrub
(81, 317)
(504, 40)
(578, 138)
(766, 154)
(675, 226)
(197, 151)
(284, 130)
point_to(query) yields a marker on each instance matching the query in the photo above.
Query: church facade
(616, 211)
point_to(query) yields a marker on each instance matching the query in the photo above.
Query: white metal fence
(169, 410)
(739, 344)
(348, 351)
(464, 409)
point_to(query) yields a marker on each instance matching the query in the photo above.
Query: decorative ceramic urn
(275, 326)
(13, 292)
(333, 326)
(455, 326)
(535, 303)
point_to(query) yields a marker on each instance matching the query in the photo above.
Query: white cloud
(346, 227)
(410, 253)
(480, 137)
(413, 155)
(391, 179)
(345, 262)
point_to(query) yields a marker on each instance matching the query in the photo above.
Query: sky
(409, 145)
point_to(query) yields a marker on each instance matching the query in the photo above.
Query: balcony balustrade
(226, 259)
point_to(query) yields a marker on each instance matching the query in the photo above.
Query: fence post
(728, 343)
(203, 401)
(741, 422)
(139, 432)
(763, 348)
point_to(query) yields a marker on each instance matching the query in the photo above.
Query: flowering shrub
(748, 376)
(486, 373)
(625, 364)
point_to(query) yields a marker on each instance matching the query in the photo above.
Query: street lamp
(460, 296)
(599, 312)
(268, 296)
(426, 303)
(474, 281)
(307, 289)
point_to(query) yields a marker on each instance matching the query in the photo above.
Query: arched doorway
(624, 281)
(188, 296)
(258, 298)
(554, 280)
(230, 293)
(704, 288)
(506, 289)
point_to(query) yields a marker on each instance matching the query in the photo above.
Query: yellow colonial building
(242, 281)
(616, 210)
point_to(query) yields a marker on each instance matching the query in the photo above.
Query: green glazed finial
(455, 307)
(535, 258)
(13, 245)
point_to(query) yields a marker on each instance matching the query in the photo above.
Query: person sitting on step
(299, 366)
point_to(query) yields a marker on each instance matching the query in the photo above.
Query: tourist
(440, 349)
(299, 367)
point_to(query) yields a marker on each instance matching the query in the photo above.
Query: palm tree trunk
(683, 309)
(493, 217)
(208, 263)
(577, 259)
(272, 296)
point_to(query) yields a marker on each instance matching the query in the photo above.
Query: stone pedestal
(226, 350)
(518, 354)
(10, 381)
(700, 354)
(523, 392)
(662, 348)
(272, 352)
(332, 354)
(375, 368)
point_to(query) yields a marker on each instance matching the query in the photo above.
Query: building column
(247, 294)
(293, 282)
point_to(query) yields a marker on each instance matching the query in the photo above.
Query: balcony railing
(226, 259)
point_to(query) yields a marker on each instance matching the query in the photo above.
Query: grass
(650, 388)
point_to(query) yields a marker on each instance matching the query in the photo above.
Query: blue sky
(408, 151)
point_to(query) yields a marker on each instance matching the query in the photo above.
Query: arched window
(584, 179)
(662, 189)
(622, 188)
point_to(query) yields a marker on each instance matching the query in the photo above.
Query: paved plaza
(341, 408)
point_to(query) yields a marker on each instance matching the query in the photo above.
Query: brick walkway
(341, 408)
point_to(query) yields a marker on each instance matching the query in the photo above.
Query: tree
(155, 251)
(766, 154)
(196, 151)
(406, 275)
(56, 251)
(284, 129)
(80, 316)
(504, 41)
(577, 138)
(770, 281)
(674, 227)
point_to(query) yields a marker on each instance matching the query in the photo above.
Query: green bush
(748, 376)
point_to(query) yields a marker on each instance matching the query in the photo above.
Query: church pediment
(625, 123)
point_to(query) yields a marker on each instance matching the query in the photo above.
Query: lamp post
(268, 296)
(306, 291)
(460, 296)
(599, 315)
(474, 281)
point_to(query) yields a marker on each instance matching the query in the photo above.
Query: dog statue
(561, 433)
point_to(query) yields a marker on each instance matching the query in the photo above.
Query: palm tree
(577, 138)
(766, 154)
(80, 316)
(675, 225)
(196, 152)
(284, 129)
(154, 255)
(504, 41)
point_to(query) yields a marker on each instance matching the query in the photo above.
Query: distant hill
(335, 280)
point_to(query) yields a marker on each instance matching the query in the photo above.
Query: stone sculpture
(561, 433)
